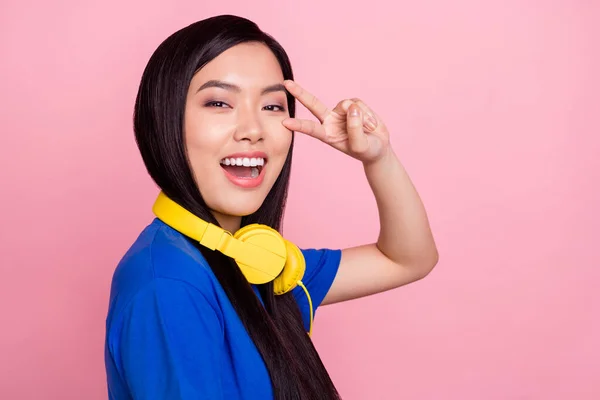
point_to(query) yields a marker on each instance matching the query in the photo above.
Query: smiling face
(234, 138)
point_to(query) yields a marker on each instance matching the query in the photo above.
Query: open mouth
(244, 168)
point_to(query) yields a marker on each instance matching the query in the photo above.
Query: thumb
(357, 139)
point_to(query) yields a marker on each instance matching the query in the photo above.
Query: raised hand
(351, 127)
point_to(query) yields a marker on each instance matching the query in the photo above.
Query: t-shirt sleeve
(321, 269)
(171, 343)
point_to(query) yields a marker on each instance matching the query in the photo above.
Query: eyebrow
(278, 87)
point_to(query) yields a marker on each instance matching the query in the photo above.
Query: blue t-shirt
(171, 331)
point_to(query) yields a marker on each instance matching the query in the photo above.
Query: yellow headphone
(262, 254)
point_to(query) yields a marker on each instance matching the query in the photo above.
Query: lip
(247, 183)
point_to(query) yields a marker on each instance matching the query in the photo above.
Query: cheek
(202, 147)
(195, 148)
(203, 136)
(280, 149)
(282, 139)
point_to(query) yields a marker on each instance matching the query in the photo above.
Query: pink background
(494, 110)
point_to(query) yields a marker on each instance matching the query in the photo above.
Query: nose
(249, 126)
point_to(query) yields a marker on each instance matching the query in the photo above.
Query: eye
(274, 107)
(217, 104)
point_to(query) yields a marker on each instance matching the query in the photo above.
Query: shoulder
(318, 258)
(164, 328)
(321, 269)
(321, 265)
(159, 257)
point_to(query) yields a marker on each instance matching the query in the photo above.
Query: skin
(405, 249)
(222, 121)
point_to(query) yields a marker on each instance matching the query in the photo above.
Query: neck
(230, 223)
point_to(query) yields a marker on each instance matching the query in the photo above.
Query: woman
(184, 322)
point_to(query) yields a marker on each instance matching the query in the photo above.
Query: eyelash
(218, 104)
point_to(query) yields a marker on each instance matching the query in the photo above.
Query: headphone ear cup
(293, 271)
(259, 271)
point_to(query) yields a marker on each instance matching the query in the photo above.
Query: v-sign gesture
(351, 127)
(405, 250)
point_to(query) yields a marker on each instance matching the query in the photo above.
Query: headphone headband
(246, 253)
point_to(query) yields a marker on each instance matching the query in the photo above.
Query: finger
(308, 100)
(370, 121)
(305, 126)
(342, 107)
(357, 139)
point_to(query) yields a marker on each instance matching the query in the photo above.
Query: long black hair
(294, 366)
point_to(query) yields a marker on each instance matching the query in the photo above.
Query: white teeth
(244, 162)
(254, 173)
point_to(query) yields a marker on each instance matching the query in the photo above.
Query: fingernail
(372, 121)
(354, 112)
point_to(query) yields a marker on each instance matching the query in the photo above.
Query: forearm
(405, 235)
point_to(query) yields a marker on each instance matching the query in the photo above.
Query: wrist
(384, 158)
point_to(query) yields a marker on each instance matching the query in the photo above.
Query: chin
(237, 202)
(239, 208)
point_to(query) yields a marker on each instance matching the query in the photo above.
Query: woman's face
(233, 133)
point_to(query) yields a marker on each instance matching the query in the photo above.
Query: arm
(405, 250)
